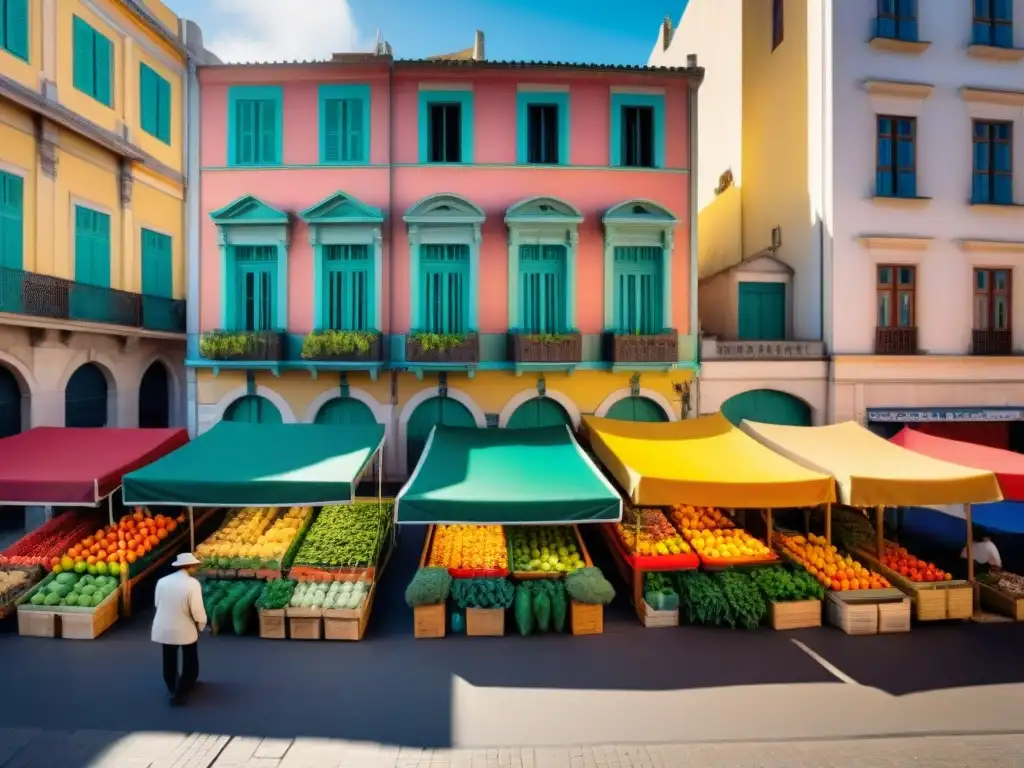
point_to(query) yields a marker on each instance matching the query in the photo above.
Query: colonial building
(92, 214)
(878, 136)
(450, 240)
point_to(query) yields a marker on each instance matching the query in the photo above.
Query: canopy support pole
(828, 523)
(807, 521)
(768, 525)
(970, 542)
(191, 530)
(110, 508)
(879, 533)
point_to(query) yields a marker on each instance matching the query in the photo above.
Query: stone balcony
(720, 349)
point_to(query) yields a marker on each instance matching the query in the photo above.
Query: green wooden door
(12, 226)
(768, 407)
(10, 404)
(638, 296)
(85, 398)
(348, 288)
(445, 287)
(254, 410)
(539, 412)
(542, 288)
(155, 398)
(157, 281)
(636, 409)
(762, 311)
(344, 410)
(437, 411)
(90, 297)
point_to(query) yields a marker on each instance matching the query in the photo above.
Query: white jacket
(180, 615)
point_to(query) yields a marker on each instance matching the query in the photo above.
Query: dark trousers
(180, 685)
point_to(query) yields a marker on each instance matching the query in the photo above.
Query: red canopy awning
(1007, 466)
(62, 466)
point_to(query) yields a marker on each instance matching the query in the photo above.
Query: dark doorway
(85, 398)
(155, 398)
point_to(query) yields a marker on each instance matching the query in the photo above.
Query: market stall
(42, 574)
(871, 473)
(476, 489)
(275, 552)
(699, 467)
(998, 591)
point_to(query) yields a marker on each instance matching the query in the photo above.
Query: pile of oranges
(129, 539)
(832, 569)
(716, 536)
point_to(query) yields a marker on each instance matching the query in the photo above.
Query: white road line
(832, 668)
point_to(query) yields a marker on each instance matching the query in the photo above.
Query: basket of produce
(1002, 592)
(70, 605)
(794, 596)
(251, 540)
(270, 608)
(344, 542)
(231, 604)
(545, 551)
(833, 570)
(541, 606)
(716, 539)
(936, 594)
(646, 541)
(726, 599)
(589, 592)
(45, 545)
(14, 583)
(427, 594)
(484, 601)
(469, 551)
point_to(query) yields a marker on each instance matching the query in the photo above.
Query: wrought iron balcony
(895, 341)
(35, 295)
(992, 342)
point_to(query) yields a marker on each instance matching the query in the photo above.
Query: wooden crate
(37, 623)
(932, 601)
(1000, 602)
(854, 618)
(272, 624)
(304, 628)
(893, 617)
(797, 614)
(348, 623)
(653, 618)
(585, 618)
(485, 622)
(959, 602)
(68, 622)
(428, 621)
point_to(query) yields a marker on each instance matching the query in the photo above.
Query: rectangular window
(896, 165)
(778, 24)
(638, 291)
(895, 290)
(345, 124)
(154, 104)
(255, 125)
(12, 221)
(257, 270)
(638, 137)
(991, 299)
(444, 133)
(542, 288)
(993, 163)
(348, 288)
(93, 62)
(897, 20)
(542, 134)
(14, 27)
(445, 286)
(993, 23)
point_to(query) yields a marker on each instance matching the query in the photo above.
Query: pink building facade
(503, 245)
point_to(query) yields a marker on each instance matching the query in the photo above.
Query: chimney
(691, 61)
(478, 47)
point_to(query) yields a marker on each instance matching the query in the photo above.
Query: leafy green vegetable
(430, 586)
(588, 585)
(542, 610)
(242, 610)
(780, 585)
(559, 607)
(483, 593)
(276, 594)
(524, 610)
(703, 600)
(349, 535)
(744, 598)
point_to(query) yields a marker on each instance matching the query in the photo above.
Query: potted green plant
(546, 347)
(427, 347)
(240, 345)
(341, 346)
(626, 347)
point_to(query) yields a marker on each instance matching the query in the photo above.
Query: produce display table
(932, 600)
(68, 622)
(1001, 601)
(14, 584)
(869, 611)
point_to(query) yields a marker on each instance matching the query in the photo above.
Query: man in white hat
(180, 617)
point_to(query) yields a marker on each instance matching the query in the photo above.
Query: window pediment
(444, 208)
(639, 213)
(341, 208)
(543, 210)
(248, 210)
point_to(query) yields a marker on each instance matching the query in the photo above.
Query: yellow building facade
(92, 214)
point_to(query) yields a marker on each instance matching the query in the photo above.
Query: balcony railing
(992, 342)
(627, 348)
(895, 341)
(545, 348)
(35, 295)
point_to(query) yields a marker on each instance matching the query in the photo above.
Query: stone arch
(174, 382)
(621, 394)
(110, 419)
(526, 395)
(769, 405)
(418, 399)
(379, 411)
(156, 396)
(26, 384)
(287, 414)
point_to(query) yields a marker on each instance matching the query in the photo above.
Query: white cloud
(281, 30)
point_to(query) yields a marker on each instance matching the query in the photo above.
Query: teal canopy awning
(238, 464)
(507, 477)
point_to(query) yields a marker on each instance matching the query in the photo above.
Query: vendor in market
(986, 554)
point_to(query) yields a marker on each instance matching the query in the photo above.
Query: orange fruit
(131, 557)
(161, 533)
(91, 559)
(171, 526)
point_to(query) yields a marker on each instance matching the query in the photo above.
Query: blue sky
(600, 31)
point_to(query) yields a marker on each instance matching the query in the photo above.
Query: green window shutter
(332, 130)
(101, 237)
(14, 27)
(542, 295)
(257, 269)
(638, 290)
(11, 221)
(103, 61)
(163, 106)
(267, 122)
(147, 99)
(157, 274)
(83, 56)
(445, 286)
(354, 131)
(348, 288)
(245, 141)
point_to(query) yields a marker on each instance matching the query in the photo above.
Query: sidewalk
(110, 749)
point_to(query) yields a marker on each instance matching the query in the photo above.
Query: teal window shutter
(267, 119)
(155, 104)
(101, 234)
(14, 27)
(104, 64)
(638, 294)
(12, 201)
(93, 62)
(163, 101)
(344, 140)
(348, 287)
(542, 294)
(354, 131)
(157, 270)
(257, 269)
(332, 130)
(83, 56)
(92, 247)
(445, 285)
(246, 139)
(257, 139)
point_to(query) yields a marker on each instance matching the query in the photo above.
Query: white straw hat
(184, 560)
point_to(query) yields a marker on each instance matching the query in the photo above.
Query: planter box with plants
(442, 348)
(241, 345)
(642, 348)
(545, 347)
(342, 346)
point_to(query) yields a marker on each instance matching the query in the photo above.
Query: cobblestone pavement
(109, 749)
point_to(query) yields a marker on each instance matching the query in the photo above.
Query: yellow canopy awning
(704, 461)
(871, 471)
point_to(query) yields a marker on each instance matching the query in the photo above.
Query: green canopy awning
(238, 464)
(508, 477)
